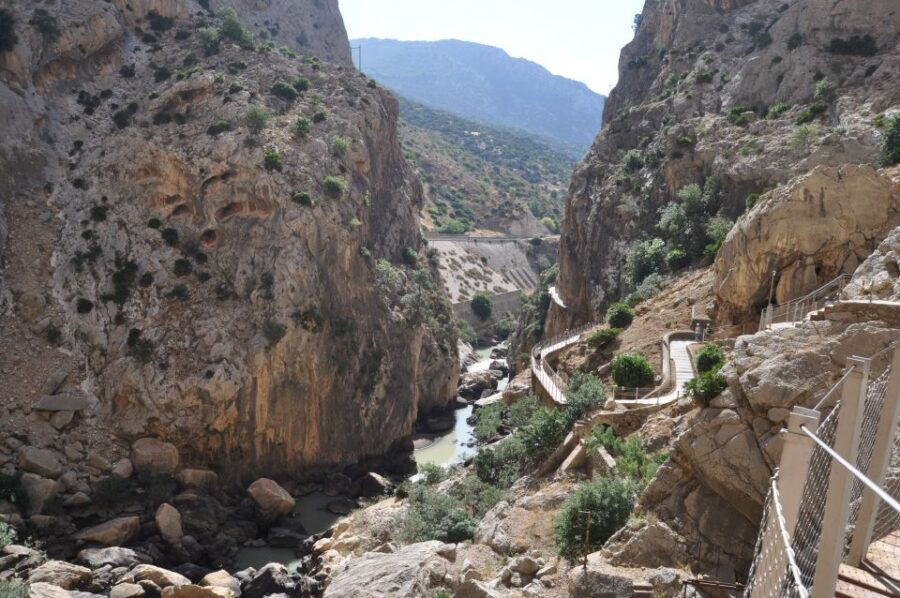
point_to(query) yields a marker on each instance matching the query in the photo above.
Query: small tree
(482, 305)
(619, 315)
(710, 358)
(890, 145)
(632, 370)
(256, 119)
(595, 510)
(302, 126)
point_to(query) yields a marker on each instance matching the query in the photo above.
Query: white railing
(797, 309)
(829, 495)
(552, 382)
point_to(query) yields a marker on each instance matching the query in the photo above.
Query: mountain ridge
(484, 83)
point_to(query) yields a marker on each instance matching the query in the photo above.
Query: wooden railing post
(840, 480)
(878, 465)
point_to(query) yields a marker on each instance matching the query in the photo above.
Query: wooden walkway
(879, 574)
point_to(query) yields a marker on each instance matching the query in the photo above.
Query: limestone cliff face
(260, 299)
(695, 99)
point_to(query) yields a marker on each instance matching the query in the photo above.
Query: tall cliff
(209, 238)
(728, 99)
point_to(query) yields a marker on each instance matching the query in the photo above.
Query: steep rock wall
(187, 282)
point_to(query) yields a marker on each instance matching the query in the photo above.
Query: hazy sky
(579, 39)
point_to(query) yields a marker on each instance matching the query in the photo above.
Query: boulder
(150, 455)
(70, 400)
(472, 588)
(43, 462)
(159, 576)
(282, 537)
(270, 497)
(46, 590)
(126, 590)
(336, 483)
(114, 556)
(192, 591)
(123, 468)
(60, 573)
(373, 484)
(168, 521)
(473, 384)
(519, 387)
(341, 506)
(409, 572)
(39, 491)
(598, 580)
(115, 532)
(198, 479)
(222, 579)
(271, 579)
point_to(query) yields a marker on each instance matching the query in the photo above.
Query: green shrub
(504, 328)
(739, 115)
(46, 24)
(619, 315)
(8, 39)
(274, 331)
(645, 258)
(220, 126)
(302, 197)
(751, 201)
(302, 126)
(84, 306)
(776, 110)
(478, 497)
(434, 516)
(210, 40)
(256, 119)
(182, 267)
(550, 223)
(482, 305)
(890, 144)
(180, 292)
(632, 370)
(632, 461)
(520, 412)
(169, 236)
(584, 393)
(284, 91)
(677, 259)
(803, 135)
(633, 160)
(273, 160)
(824, 90)
(718, 227)
(234, 30)
(432, 474)
(603, 337)
(159, 22)
(13, 589)
(544, 432)
(301, 84)
(609, 503)
(488, 421)
(502, 464)
(856, 45)
(466, 332)
(795, 41)
(319, 116)
(710, 357)
(8, 536)
(335, 187)
(452, 226)
(706, 387)
(808, 114)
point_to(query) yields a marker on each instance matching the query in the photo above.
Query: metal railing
(797, 309)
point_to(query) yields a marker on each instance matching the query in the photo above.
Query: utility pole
(359, 56)
(587, 538)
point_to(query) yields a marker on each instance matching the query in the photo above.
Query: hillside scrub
(890, 146)
(619, 315)
(482, 305)
(608, 503)
(710, 357)
(632, 370)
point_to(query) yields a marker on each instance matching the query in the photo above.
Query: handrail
(797, 309)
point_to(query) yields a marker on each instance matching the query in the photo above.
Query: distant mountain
(484, 83)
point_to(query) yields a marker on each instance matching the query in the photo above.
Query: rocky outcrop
(807, 232)
(878, 277)
(682, 107)
(258, 300)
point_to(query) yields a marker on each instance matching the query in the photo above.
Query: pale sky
(578, 39)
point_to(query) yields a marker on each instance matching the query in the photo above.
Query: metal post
(840, 481)
(794, 466)
(878, 465)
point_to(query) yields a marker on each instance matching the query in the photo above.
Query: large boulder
(42, 589)
(411, 572)
(192, 591)
(153, 456)
(373, 484)
(272, 499)
(62, 574)
(221, 579)
(473, 384)
(168, 521)
(161, 577)
(39, 491)
(115, 532)
(271, 579)
(114, 556)
(40, 461)
(598, 580)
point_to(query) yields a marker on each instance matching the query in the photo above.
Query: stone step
(643, 591)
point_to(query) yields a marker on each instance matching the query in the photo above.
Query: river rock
(373, 484)
(269, 580)
(472, 384)
(46, 590)
(221, 579)
(39, 491)
(60, 573)
(115, 532)
(153, 456)
(113, 556)
(168, 521)
(126, 590)
(159, 576)
(270, 497)
(123, 468)
(192, 591)
(282, 537)
(43, 462)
